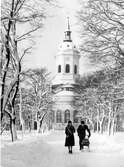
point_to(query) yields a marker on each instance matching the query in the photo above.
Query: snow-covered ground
(48, 151)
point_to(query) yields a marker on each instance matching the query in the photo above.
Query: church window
(67, 45)
(59, 68)
(58, 117)
(67, 68)
(67, 89)
(67, 116)
(75, 69)
(75, 118)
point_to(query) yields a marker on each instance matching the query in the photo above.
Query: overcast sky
(52, 35)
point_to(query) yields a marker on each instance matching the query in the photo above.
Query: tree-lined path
(49, 151)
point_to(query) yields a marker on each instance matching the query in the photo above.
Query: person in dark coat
(82, 128)
(69, 140)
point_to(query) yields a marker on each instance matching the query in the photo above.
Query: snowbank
(28, 137)
(107, 144)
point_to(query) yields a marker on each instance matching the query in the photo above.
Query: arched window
(52, 116)
(67, 89)
(67, 68)
(75, 118)
(58, 117)
(75, 69)
(59, 68)
(67, 116)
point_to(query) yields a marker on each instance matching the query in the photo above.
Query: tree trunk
(101, 123)
(2, 129)
(20, 114)
(22, 124)
(94, 129)
(39, 123)
(109, 119)
(29, 126)
(97, 128)
(112, 127)
(97, 120)
(38, 126)
(101, 127)
(13, 129)
(109, 127)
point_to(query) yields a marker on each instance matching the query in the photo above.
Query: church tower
(64, 82)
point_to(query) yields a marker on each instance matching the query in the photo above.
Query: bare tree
(100, 99)
(22, 122)
(102, 31)
(20, 20)
(102, 34)
(40, 95)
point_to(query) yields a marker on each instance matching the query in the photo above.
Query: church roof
(65, 93)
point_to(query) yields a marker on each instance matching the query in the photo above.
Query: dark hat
(82, 122)
(69, 121)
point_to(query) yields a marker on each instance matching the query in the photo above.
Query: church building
(64, 83)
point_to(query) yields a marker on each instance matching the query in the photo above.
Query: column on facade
(71, 115)
(63, 116)
(55, 116)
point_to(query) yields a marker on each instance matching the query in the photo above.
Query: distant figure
(82, 128)
(69, 141)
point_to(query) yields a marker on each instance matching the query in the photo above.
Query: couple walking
(70, 130)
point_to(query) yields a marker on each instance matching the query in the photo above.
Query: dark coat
(69, 140)
(82, 131)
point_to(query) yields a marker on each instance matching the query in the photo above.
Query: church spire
(68, 23)
(68, 33)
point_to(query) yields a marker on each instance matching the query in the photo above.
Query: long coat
(69, 140)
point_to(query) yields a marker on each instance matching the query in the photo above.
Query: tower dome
(67, 60)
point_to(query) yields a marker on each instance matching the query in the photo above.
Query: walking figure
(82, 128)
(69, 140)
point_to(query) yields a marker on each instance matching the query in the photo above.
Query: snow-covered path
(49, 151)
